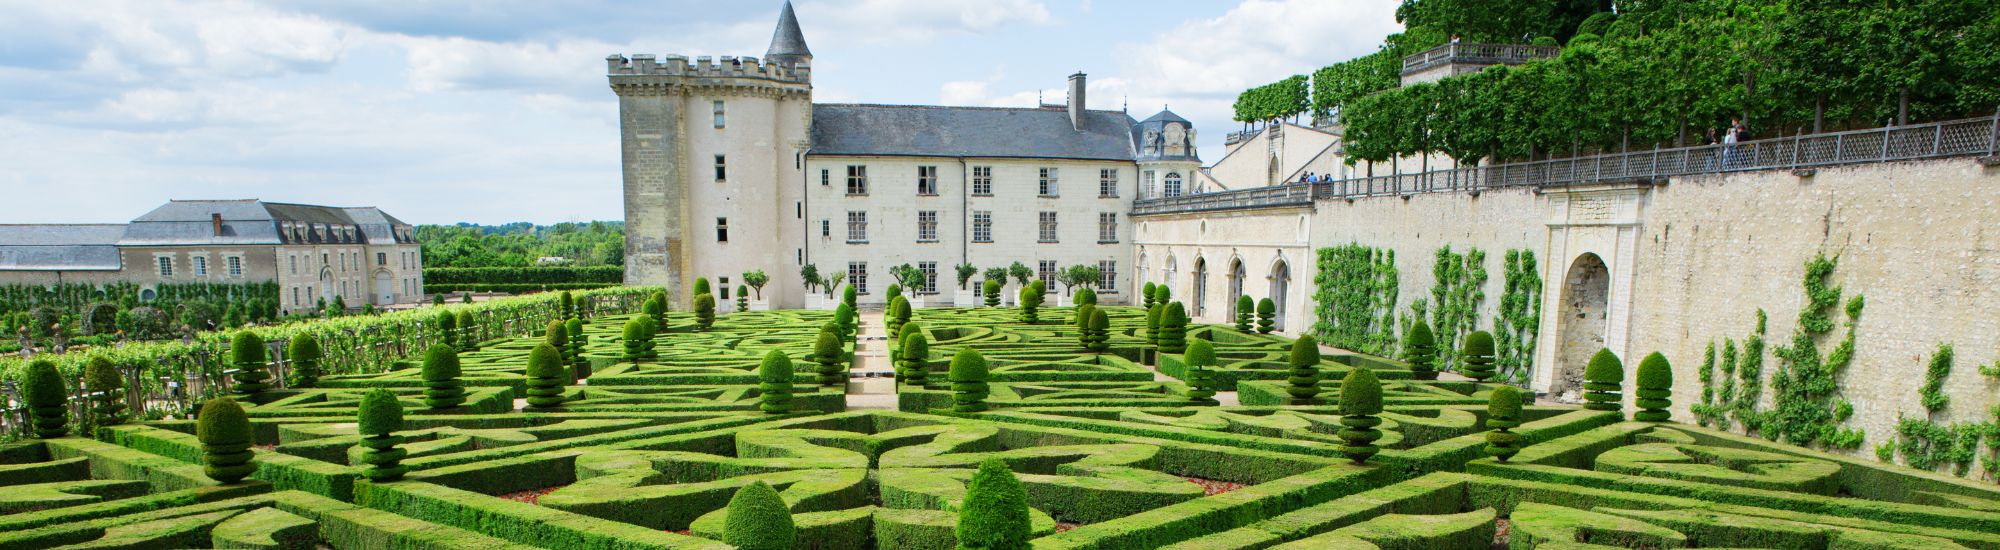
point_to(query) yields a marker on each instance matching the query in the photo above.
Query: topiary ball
(995, 513)
(1360, 392)
(759, 520)
(1656, 383)
(381, 413)
(1603, 379)
(224, 432)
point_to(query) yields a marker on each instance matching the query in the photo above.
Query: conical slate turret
(788, 44)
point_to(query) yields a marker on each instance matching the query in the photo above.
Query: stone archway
(1281, 288)
(1584, 310)
(1236, 276)
(1200, 290)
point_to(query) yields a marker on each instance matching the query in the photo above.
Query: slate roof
(1166, 116)
(1005, 132)
(788, 40)
(248, 222)
(65, 247)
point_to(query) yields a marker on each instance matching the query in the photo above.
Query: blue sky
(494, 111)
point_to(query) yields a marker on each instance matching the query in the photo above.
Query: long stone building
(730, 168)
(358, 254)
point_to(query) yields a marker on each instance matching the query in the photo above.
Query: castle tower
(1166, 155)
(713, 151)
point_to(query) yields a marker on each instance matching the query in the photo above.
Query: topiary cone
(1200, 359)
(704, 311)
(545, 377)
(992, 291)
(1503, 413)
(1602, 381)
(1245, 307)
(305, 354)
(224, 432)
(827, 352)
(47, 398)
(442, 388)
(759, 520)
(380, 416)
(968, 381)
(1303, 382)
(247, 356)
(1173, 329)
(1146, 294)
(1420, 351)
(1098, 336)
(579, 365)
(774, 383)
(1267, 316)
(635, 339)
(915, 355)
(101, 378)
(1656, 382)
(995, 513)
(1360, 401)
(1478, 352)
(468, 338)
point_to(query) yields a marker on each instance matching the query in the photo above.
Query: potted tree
(832, 285)
(966, 296)
(810, 277)
(1021, 275)
(913, 281)
(756, 280)
(997, 275)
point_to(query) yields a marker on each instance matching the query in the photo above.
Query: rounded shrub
(566, 305)
(545, 377)
(579, 364)
(1173, 329)
(557, 336)
(306, 357)
(102, 378)
(1360, 401)
(915, 355)
(1096, 332)
(468, 337)
(224, 432)
(447, 326)
(1200, 359)
(1603, 379)
(1656, 383)
(1085, 297)
(742, 298)
(1162, 294)
(47, 398)
(247, 356)
(1153, 316)
(1267, 316)
(827, 353)
(380, 417)
(896, 314)
(1478, 352)
(657, 308)
(1245, 309)
(704, 311)
(1082, 319)
(1503, 414)
(1420, 351)
(968, 381)
(774, 383)
(847, 296)
(995, 513)
(1302, 382)
(701, 285)
(1031, 303)
(759, 520)
(636, 338)
(992, 291)
(442, 388)
(1146, 294)
(893, 292)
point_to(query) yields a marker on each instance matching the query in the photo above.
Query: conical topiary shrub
(1245, 309)
(1162, 294)
(1478, 352)
(468, 331)
(914, 357)
(447, 327)
(442, 388)
(1267, 316)
(556, 335)
(774, 383)
(1153, 316)
(843, 315)
(566, 305)
(1031, 301)
(742, 298)
(701, 286)
(304, 353)
(897, 314)
(1360, 401)
(992, 291)
(1085, 297)
(47, 398)
(579, 365)
(224, 432)
(1097, 338)
(1200, 360)
(1420, 351)
(1173, 329)
(247, 356)
(636, 339)
(759, 520)
(107, 406)
(1503, 414)
(1603, 379)
(1146, 294)
(1082, 322)
(848, 296)
(1303, 380)
(545, 377)
(1656, 383)
(968, 381)
(704, 311)
(381, 416)
(995, 513)
(827, 353)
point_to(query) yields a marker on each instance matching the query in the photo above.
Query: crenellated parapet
(643, 73)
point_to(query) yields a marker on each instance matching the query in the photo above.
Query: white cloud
(906, 22)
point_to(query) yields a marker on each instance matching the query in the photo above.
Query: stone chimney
(215, 221)
(1076, 100)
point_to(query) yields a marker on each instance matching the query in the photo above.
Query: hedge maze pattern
(1111, 449)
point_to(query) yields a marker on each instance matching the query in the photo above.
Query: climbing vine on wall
(1459, 289)
(1740, 379)
(1928, 444)
(1355, 298)
(1520, 319)
(1807, 407)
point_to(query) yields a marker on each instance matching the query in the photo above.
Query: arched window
(1173, 184)
(1200, 290)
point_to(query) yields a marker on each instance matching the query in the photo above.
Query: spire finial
(788, 43)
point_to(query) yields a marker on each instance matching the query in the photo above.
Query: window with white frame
(1046, 271)
(1107, 183)
(1107, 275)
(826, 228)
(982, 181)
(1048, 183)
(1048, 227)
(857, 227)
(166, 266)
(1146, 184)
(929, 269)
(857, 275)
(982, 226)
(857, 180)
(718, 114)
(1173, 184)
(293, 260)
(927, 226)
(1107, 227)
(825, 177)
(927, 180)
(235, 265)
(200, 266)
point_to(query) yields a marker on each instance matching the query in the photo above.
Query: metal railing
(1957, 138)
(1479, 54)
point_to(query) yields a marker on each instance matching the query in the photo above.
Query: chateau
(358, 254)
(730, 167)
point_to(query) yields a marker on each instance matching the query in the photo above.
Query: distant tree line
(521, 244)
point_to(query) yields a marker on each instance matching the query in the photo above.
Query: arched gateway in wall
(1586, 303)
(1587, 290)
